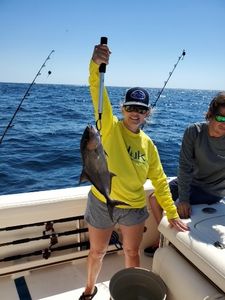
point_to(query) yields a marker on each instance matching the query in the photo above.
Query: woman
(133, 158)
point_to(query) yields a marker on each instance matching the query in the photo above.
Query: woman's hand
(101, 54)
(178, 224)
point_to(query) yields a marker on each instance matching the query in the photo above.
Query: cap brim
(136, 104)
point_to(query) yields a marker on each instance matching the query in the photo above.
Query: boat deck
(65, 280)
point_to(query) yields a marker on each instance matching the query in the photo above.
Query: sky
(146, 39)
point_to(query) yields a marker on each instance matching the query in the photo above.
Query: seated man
(201, 173)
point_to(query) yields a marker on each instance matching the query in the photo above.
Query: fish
(95, 168)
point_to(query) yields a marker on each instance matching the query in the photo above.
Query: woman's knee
(97, 253)
(131, 252)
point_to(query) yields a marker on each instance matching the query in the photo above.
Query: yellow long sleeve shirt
(132, 157)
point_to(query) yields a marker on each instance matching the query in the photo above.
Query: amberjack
(95, 168)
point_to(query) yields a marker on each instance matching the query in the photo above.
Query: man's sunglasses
(220, 119)
(138, 109)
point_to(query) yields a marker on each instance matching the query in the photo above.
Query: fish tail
(112, 203)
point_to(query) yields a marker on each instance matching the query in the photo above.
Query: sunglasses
(220, 119)
(138, 109)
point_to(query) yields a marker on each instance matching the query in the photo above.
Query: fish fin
(83, 177)
(112, 174)
(110, 184)
(112, 203)
(110, 210)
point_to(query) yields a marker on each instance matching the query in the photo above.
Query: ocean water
(41, 150)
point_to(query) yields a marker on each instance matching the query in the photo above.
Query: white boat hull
(26, 217)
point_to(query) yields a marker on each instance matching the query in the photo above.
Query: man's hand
(184, 210)
(178, 224)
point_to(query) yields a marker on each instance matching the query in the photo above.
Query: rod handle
(103, 41)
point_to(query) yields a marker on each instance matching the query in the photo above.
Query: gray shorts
(97, 214)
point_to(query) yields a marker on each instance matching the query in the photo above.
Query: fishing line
(25, 95)
(170, 74)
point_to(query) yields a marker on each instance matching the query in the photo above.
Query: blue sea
(41, 150)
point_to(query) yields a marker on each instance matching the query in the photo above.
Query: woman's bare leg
(132, 237)
(155, 208)
(99, 241)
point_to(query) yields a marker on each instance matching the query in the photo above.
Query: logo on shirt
(136, 155)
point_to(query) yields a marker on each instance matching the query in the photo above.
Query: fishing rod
(44, 237)
(102, 70)
(25, 95)
(170, 74)
(46, 253)
(43, 223)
